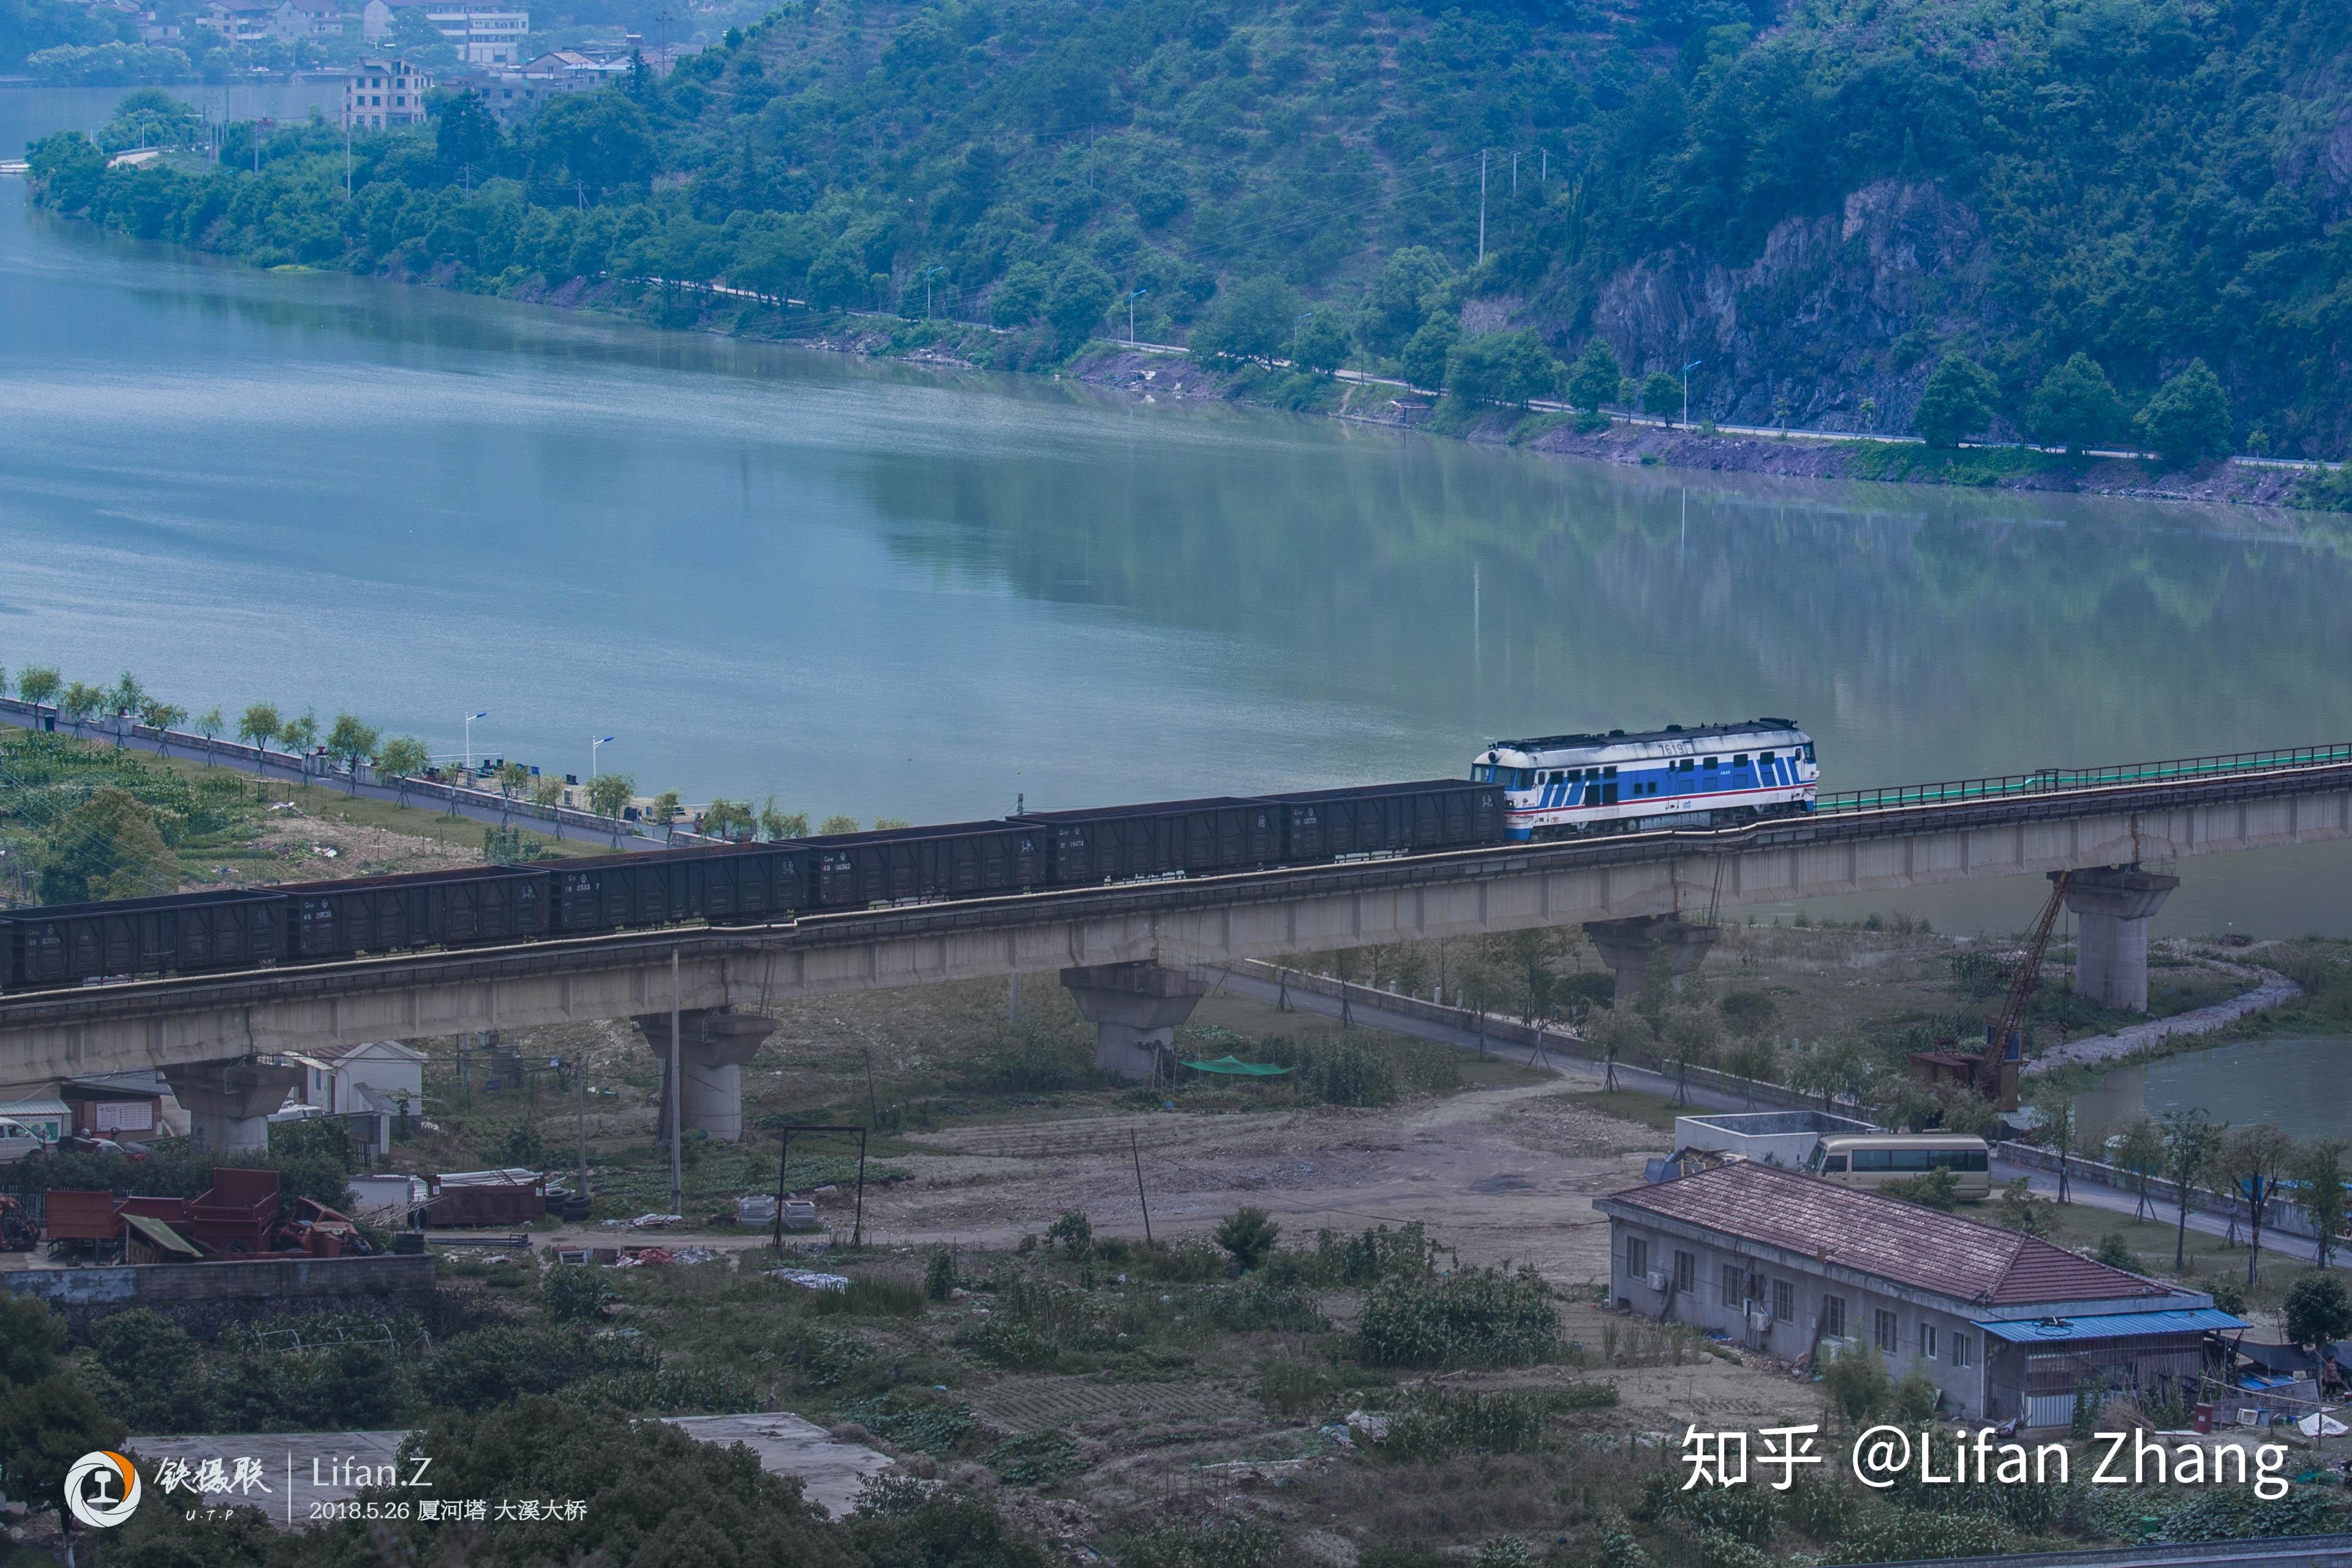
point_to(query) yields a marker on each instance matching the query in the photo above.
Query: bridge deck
(1895, 843)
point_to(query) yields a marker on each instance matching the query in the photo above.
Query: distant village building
(369, 1084)
(240, 21)
(379, 93)
(482, 35)
(2005, 1325)
(309, 21)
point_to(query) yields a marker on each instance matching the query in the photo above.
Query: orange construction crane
(2004, 1037)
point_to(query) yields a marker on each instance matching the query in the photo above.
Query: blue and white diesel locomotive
(1712, 774)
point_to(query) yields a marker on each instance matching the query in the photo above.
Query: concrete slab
(298, 1469)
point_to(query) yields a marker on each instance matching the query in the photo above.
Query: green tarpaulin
(1237, 1067)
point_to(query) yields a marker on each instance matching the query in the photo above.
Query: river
(2296, 1085)
(882, 589)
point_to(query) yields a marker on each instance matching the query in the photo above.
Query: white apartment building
(483, 34)
(380, 94)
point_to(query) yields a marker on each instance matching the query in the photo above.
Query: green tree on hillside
(1322, 344)
(1957, 404)
(2075, 406)
(108, 846)
(1595, 377)
(1662, 396)
(465, 134)
(1251, 321)
(2188, 420)
(1020, 295)
(1428, 352)
(1502, 367)
(49, 1419)
(598, 139)
(1081, 293)
(1399, 299)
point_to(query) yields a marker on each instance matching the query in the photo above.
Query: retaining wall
(204, 1298)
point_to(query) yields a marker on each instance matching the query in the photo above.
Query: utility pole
(1481, 206)
(580, 1073)
(1515, 174)
(347, 158)
(1543, 176)
(677, 1131)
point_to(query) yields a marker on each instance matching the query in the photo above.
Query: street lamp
(592, 753)
(930, 273)
(1686, 370)
(1131, 299)
(469, 736)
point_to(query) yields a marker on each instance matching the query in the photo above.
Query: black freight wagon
(66, 944)
(965, 860)
(719, 883)
(418, 909)
(1193, 837)
(1388, 819)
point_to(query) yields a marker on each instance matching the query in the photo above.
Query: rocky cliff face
(1837, 308)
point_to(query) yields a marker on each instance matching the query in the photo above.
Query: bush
(1436, 1423)
(665, 1391)
(2116, 1253)
(951, 1529)
(1248, 1236)
(913, 1422)
(1075, 1234)
(1347, 1075)
(487, 1367)
(939, 1277)
(1036, 1460)
(575, 1293)
(1857, 1383)
(1002, 1342)
(1480, 1317)
(869, 1296)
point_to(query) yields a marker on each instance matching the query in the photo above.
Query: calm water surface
(2296, 1085)
(883, 591)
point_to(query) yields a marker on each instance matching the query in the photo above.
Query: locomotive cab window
(1740, 760)
(1763, 758)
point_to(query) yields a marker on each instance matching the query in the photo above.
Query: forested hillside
(1819, 205)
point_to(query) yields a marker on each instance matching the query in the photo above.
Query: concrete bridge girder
(1176, 925)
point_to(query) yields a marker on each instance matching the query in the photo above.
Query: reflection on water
(883, 589)
(2296, 1085)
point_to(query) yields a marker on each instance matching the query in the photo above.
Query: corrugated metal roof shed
(1870, 1234)
(2109, 1325)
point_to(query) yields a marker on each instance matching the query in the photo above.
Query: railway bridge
(1127, 951)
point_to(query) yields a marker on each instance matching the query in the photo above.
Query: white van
(16, 1140)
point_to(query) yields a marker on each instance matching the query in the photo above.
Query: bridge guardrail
(2052, 781)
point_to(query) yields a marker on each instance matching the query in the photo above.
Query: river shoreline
(1157, 373)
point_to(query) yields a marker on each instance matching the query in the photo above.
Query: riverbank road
(1702, 1097)
(476, 806)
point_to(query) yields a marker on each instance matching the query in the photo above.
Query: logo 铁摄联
(103, 1489)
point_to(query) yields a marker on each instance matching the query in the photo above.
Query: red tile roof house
(2004, 1324)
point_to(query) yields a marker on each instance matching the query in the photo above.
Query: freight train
(313, 922)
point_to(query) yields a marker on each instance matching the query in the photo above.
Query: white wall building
(496, 36)
(380, 93)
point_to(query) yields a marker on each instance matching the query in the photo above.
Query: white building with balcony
(380, 94)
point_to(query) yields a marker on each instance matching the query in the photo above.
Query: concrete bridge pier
(1629, 947)
(713, 1044)
(1135, 1008)
(229, 1103)
(2113, 905)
